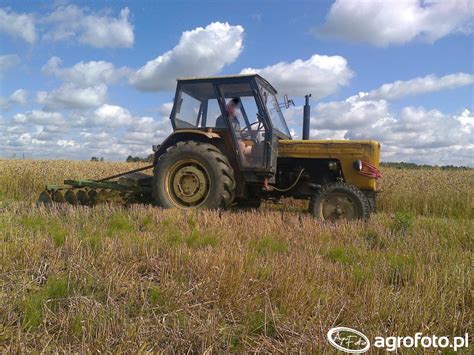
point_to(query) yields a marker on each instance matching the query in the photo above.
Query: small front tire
(339, 201)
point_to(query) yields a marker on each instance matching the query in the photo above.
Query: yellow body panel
(345, 151)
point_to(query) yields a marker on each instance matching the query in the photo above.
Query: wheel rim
(339, 206)
(188, 183)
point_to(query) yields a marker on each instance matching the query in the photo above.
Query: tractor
(231, 147)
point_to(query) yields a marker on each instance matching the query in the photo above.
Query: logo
(348, 340)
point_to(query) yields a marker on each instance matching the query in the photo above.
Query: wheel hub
(189, 184)
(339, 206)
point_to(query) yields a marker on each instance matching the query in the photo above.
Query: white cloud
(7, 61)
(112, 116)
(98, 30)
(350, 113)
(413, 134)
(85, 73)
(416, 128)
(18, 25)
(421, 85)
(383, 23)
(466, 118)
(39, 118)
(200, 52)
(18, 97)
(109, 131)
(70, 96)
(320, 75)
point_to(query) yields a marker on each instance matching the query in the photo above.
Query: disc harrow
(130, 187)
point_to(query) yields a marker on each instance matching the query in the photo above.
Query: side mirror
(288, 102)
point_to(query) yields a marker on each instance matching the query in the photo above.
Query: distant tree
(404, 165)
(132, 159)
(94, 159)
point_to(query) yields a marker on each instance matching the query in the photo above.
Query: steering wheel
(253, 135)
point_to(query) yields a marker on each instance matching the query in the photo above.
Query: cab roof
(223, 78)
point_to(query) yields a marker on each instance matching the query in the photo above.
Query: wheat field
(139, 278)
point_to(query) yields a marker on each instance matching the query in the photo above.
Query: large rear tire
(339, 201)
(193, 175)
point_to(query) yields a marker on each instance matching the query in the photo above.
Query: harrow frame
(91, 188)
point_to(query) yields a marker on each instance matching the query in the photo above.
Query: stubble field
(119, 279)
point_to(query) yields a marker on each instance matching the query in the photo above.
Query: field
(111, 278)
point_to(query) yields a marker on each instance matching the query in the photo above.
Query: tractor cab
(242, 110)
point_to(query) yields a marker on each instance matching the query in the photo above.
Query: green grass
(119, 224)
(56, 290)
(268, 245)
(341, 255)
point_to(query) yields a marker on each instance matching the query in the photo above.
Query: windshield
(274, 110)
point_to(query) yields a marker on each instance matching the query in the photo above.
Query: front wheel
(339, 201)
(193, 175)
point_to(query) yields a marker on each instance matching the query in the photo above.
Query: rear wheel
(193, 175)
(339, 201)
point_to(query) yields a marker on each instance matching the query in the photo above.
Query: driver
(231, 110)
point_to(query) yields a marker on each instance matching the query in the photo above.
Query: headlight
(357, 165)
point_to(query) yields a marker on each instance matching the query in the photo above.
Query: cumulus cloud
(421, 85)
(18, 97)
(85, 74)
(18, 25)
(98, 30)
(415, 128)
(350, 113)
(200, 52)
(466, 118)
(7, 61)
(110, 131)
(112, 116)
(411, 133)
(39, 117)
(70, 96)
(319, 75)
(383, 23)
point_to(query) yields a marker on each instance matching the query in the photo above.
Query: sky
(97, 78)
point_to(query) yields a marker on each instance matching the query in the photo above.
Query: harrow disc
(83, 198)
(71, 197)
(92, 194)
(44, 198)
(58, 197)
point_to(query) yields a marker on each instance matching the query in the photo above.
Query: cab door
(253, 138)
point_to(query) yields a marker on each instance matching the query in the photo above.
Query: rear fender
(185, 136)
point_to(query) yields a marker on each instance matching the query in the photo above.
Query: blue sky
(75, 80)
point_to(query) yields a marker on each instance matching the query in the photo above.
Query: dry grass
(127, 279)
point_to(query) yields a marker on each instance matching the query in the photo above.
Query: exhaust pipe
(306, 115)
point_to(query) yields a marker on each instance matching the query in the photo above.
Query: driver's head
(232, 107)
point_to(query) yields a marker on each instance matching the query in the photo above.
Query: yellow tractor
(231, 146)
